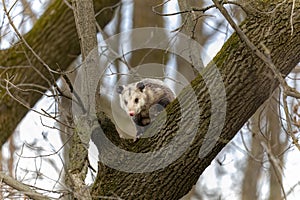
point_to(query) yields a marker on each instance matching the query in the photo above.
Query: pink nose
(131, 113)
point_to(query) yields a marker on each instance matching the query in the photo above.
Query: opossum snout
(131, 113)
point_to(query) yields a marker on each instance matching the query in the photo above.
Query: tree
(250, 63)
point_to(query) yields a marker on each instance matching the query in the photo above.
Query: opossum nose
(131, 113)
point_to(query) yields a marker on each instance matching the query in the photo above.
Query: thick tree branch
(248, 82)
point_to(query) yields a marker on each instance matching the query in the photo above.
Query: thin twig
(26, 105)
(193, 9)
(276, 166)
(71, 88)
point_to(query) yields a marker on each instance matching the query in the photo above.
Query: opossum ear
(140, 86)
(120, 89)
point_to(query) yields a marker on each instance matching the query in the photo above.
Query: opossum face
(132, 98)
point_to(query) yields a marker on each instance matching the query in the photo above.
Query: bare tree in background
(266, 146)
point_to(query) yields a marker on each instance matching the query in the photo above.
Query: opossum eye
(136, 100)
(125, 102)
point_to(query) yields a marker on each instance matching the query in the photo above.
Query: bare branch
(22, 187)
(276, 166)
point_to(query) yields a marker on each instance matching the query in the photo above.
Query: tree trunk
(277, 146)
(248, 83)
(266, 129)
(252, 171)
(54, 39)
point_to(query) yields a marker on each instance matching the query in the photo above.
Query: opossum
(137, 98)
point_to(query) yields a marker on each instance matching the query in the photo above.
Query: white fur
(146, 98)
(153, 92)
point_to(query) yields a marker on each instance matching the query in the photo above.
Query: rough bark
(248, 82)
(54, 39)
